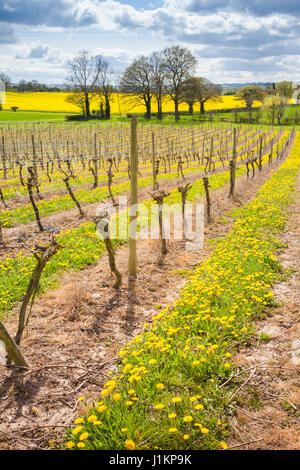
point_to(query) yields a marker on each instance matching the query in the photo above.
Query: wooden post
(132, 262)
(260, 153)
(3, 159)
(95, 162)
(154, 173)
(211, 153)
(232, 165)
(34, 160)
(12, 349)
(206, 187)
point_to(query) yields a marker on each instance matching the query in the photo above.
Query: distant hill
(237, 86)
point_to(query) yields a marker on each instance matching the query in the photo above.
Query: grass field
(31, 116)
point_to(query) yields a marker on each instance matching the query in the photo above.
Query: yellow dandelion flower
(79, 421)
(160, 386)
(199, 407)
(92, 418)
(77, 430)
(176, 400)
(204, 430)
(70, 444)
(152, 361)
(116, 396)
(102, 408)
(188, 419)
(159, 406)
(129, 444)
(171, 430)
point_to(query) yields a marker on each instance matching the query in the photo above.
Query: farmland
(153, 363)
(56, 102)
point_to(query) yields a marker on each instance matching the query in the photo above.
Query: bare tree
(5, 79)
(105, 88)
(136, 84)
(207, 91)
(85, 70)
(179, 64)
(159, 74)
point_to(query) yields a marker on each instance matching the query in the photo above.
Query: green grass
(31, 116)
(169, 390)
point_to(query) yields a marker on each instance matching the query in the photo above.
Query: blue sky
(234, 40)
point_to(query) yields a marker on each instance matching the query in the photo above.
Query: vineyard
(137, 354)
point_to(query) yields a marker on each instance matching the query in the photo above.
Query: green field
(31, 116)
(195, 119)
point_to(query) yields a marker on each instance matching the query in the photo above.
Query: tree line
(169, 73)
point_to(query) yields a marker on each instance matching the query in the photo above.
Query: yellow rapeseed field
(48, 101)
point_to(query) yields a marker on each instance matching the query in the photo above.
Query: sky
(235, 41)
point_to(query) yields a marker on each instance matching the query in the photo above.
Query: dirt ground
(77, 330)
(269, 403)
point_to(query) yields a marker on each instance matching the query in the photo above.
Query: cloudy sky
(234, 40)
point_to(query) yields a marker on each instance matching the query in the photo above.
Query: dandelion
(172, 430)
(84, 436)
(77, 430)
(160, 386)
(81, 445)
(79, 421)
(204, 430)
(129, 445)
(70, 444)
(159, 406)
(176, 400)
(188, 419)
(102, 408)
(116, 396)
(92, 418)
(199, 407)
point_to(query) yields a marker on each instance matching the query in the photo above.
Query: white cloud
(228, 34)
